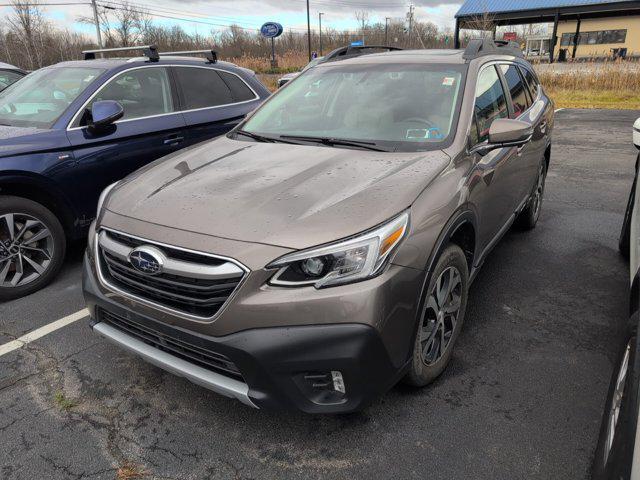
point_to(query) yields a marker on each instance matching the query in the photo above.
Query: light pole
(320, 30)
(309, 30)
(97, 22)
(386, 30)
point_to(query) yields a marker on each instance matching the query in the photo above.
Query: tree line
(31, 41)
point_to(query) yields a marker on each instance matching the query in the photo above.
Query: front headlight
(103, 197)
(348, 261)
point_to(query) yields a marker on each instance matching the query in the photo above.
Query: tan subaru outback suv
(323, 250)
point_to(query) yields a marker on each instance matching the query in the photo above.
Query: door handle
(173, 140)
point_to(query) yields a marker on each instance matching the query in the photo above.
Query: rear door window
(491, 102)
(142, 92)
(240, 91)
(517, 89)
(202, 88)
(532, 83)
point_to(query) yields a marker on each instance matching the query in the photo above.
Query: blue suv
(69, 130)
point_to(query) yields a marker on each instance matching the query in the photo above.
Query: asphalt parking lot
(522, 397)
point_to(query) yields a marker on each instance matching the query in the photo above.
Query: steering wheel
(428, 123)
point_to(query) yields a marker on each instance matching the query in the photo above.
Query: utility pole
(411, 7)
(386, 30)
(97, 22)
(309, 30)
(320, 30)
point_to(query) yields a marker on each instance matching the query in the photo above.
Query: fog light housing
(323, 388)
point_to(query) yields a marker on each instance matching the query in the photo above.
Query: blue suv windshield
(40, 98)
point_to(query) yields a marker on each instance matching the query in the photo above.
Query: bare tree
(27, 22)
(362, 16)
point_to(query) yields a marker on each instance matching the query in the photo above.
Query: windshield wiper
(338, 141)
(256, 137)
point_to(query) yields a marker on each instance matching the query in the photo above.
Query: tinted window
(239, 90)
(202, 88)
(531, 82)
(491, 102)
(8, 77)
(141, 92)
(517, 88)
(41, 97)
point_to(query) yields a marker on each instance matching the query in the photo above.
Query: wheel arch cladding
(39, 191)
(464, 236)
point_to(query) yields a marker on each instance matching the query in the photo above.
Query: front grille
(193, 287)
(187, 351)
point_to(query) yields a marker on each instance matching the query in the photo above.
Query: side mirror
(636, 133)
(105, 113)
(505, 132)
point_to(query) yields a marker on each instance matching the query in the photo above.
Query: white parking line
(42, 331)
(558, 109)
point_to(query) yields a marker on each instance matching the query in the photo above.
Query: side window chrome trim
(84, 105)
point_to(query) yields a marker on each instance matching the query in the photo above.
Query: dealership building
(579, 28)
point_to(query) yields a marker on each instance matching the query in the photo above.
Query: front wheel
(441, 317)
(32, 247)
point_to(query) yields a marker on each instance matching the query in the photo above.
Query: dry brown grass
(288, 62)
(130, 471)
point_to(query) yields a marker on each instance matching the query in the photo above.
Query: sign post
(272, 30)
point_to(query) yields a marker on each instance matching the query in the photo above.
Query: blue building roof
(479, 7)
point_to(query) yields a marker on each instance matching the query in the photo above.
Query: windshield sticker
(448, 81)
(424, 134)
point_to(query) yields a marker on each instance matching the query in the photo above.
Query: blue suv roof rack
(149, 51)
(210, 55)
(479, 47)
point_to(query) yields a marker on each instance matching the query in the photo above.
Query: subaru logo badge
(148, 260)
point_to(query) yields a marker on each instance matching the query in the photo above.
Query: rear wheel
(32, 247)
(528, 218)
(441, 317)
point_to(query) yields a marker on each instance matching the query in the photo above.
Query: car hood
(294, 196)
(18, 140)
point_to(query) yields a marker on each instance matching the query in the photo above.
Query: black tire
(624, 242)
(55, 246)
(613, 457)
(528, 218)
(423, 372)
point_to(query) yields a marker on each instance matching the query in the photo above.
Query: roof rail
(355, 51)
(149, 51)
(210, 55)
(479, 47)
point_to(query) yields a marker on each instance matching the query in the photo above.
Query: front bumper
(274, 362)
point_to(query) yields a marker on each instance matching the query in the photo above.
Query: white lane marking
(558, 109)
(42, 331)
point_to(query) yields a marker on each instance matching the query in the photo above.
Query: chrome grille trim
(182, 275)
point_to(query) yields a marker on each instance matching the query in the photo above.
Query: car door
(495, 197)
(213, 101)
(523, 171)
(151, 127)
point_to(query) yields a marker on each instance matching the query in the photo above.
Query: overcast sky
(339, 14)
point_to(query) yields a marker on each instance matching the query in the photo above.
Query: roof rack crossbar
(149, 51)
(356, 50)
(479, 47)
(210, 55)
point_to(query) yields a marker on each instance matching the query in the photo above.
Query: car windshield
(402, 107)
(41, 97)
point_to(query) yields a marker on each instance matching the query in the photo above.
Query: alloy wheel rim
(440, 315)
(537, 197)
(616, 402)
(26, 249)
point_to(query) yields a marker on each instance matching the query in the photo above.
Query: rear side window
(531, 82)
(491, 102)
(142, 92)
(202, 88)
(240, 91)
(517, 88)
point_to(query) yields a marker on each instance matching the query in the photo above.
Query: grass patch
(62, 402)
(130, 471)
(595, 98)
